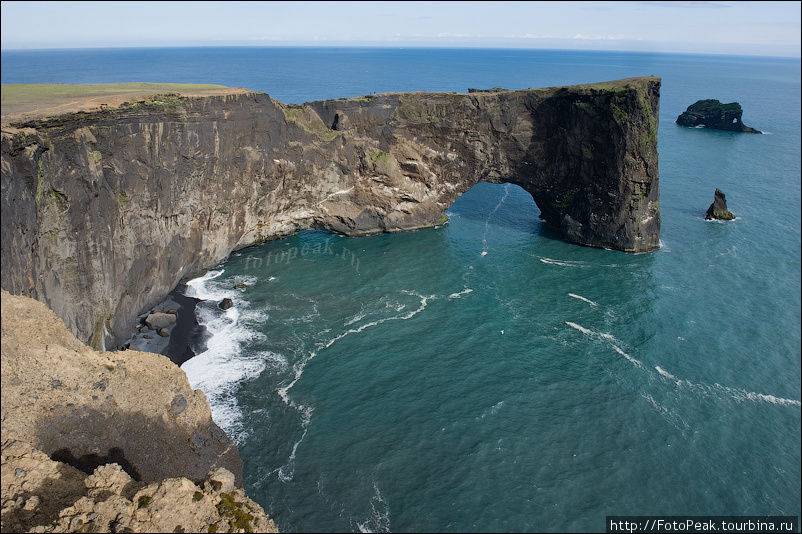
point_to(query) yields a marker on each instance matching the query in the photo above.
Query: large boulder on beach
(159, 320)
(718, 209)
(713, 114)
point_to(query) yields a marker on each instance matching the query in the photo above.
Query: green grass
(306, 117)
(619, 115)
(231, 510)
(12, 93)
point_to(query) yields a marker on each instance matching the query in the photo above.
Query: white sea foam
(561, 263)
(379, 520)
(665, 373)
(627, 356)
(357, 317)
(220, 369)
(582, 329)
(287, 471)
(198, 288)
(246, 279)
(608, 337)
(493, 410)
(721, 221)
(737, 394)
(274, 361)
(771, 398)
(582, 299)
(458, 295)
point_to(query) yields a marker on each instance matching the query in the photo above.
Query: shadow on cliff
(147, 448)
(59, 489)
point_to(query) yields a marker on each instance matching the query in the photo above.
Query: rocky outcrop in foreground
(718, 209)
(42, 495)
(105, 212)
(713, 114)
(128, 419)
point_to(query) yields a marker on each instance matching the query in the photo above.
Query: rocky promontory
(713, 114)
(105, 211)
(108, 441)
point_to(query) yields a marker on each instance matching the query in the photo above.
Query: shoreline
(187, 337)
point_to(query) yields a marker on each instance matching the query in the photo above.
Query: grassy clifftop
(38, 100)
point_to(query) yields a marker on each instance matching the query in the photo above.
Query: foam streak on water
(717, 389)
(561, 263)
(608, 337)
(299, 368)
(287, 471)
(573, 295)
(490, 216)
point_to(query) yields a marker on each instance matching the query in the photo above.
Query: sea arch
(586, 154)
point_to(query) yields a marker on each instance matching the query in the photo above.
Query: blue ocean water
(485, 375)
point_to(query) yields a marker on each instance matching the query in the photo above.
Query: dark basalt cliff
(104, 212)
(713, 114)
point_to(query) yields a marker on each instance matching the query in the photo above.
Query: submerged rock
(240, 286)
(713, 114)
(718, 209)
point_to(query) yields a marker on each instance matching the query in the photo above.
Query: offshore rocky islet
(713, 114)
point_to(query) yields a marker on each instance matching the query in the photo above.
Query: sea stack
(718, 209)
(713, 114)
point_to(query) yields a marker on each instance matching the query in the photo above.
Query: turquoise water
(484, 375)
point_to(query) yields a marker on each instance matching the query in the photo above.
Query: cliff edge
(129, 420)
(105, 211)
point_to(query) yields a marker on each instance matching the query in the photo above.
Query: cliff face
(104, 212)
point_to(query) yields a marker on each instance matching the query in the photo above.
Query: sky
(750, 28)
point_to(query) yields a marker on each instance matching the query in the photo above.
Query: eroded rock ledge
(99, 442)
(104, 212)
